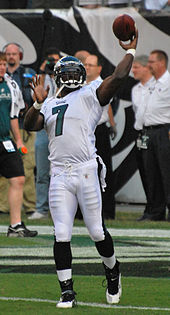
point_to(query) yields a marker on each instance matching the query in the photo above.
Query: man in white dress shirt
(156, 125)
(70, 122)
(142, 73)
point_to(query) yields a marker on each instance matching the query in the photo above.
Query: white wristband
(37, 106)
(131, 51)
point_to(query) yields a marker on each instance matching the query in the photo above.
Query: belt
(155, 126)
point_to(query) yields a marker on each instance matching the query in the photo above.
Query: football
(124, 27)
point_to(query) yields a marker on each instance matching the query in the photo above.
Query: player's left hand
(40, 94)
(113, 132)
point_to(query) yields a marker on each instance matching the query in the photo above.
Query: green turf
(145, 283)
(122, 220)
(144, 257)
(156, 269)
(83, 240)
(25, 308)
(139, 292)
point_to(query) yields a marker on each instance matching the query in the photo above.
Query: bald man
(82, 55)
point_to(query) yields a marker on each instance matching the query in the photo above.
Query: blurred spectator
(155, 118)
(52, 4)
(13, 4)
(82, 55)
(142, 73)
(11, 165)
(41, 143)
(22, 75)
(123, 3)
(91, 4)
(156, 5)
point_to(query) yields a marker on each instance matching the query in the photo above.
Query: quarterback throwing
(77, 173)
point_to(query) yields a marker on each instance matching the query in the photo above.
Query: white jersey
(105, 116)
(70, 123)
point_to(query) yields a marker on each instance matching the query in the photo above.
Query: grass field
(29, 284)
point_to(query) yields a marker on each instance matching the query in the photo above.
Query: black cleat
(114, 289)
(67, 299)
(20, 231)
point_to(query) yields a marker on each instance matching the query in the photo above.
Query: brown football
(124, 27)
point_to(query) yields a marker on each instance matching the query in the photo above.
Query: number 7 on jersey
(60, 110)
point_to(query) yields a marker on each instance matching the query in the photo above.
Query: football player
(70, 120)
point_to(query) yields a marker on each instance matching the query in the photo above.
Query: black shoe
(4, 212)
(114, 289)
(20, 231)
(67, 299)
(144, 217)
(30, 212)
(147, 217)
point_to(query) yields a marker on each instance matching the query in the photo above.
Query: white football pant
(69, 186)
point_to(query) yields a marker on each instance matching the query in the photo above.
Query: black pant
(156, 165)
(157, 205)
(104, 150)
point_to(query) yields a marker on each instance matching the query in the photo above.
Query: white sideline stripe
(114, 232)
(124, 307)
(4, 298)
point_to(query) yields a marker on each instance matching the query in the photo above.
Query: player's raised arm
(33, 120)
(112, 83)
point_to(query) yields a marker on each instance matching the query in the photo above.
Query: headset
(21, 50)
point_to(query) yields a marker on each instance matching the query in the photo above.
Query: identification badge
(139, 142)
(144, 144)
(8, 145)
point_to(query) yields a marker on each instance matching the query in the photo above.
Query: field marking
(44, 255)
(91, 251)
(48, 230)
(4, 298)
(75, 262)
(146, 250)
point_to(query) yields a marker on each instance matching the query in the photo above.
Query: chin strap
(59, 90)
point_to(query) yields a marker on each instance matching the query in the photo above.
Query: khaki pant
(29, 186)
